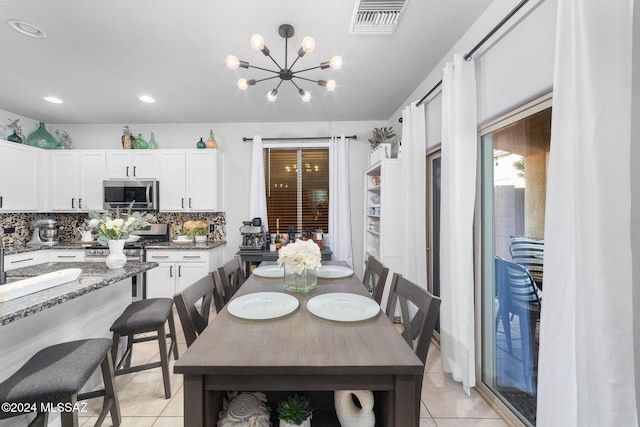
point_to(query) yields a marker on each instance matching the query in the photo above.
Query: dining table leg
(193, 400)
(406, 404)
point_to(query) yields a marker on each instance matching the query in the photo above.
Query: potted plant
(199, 233)
(295, 411)
(127, 138)
(381, 143)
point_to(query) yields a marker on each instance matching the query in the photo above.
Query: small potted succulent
(199, 233)
(127, 138)
(295, 411)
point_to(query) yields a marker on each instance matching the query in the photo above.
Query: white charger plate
(343, 307)
(334, 271)
(271, 270)
(263, 305)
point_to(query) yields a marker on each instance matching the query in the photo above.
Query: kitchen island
(83, 308)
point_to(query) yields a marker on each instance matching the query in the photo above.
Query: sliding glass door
(514, 158)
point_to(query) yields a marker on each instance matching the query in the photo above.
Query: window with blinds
(297, 188)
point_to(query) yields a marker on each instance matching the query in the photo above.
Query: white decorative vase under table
(116, 258)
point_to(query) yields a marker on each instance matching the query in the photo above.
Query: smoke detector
(376, 16)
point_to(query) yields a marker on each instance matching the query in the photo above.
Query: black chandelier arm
(294, 62)
(304, 78)
(267, 78)
(294, 83)
(306, 69)
(264, 69)
(276, 62)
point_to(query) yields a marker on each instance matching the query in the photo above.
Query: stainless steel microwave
(120, 194)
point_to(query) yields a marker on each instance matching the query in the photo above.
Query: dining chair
(195, 319)
(374, 279)
(419, 312)
(232, 277)
(518, 295)
(529, 253)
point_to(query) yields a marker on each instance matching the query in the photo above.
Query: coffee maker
(252, 234)
(45, 232)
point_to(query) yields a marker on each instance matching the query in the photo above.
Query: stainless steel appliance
(252, 236)
(121, 193)
(134, 251)
(45, 232)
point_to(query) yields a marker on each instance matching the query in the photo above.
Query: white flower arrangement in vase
(301, 261)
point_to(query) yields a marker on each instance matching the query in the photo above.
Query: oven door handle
(148, 195)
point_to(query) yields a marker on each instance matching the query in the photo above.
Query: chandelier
(285, 73)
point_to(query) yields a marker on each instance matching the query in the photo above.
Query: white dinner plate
(263, 305)
(343, 307)
(334, 271)
(272, 270)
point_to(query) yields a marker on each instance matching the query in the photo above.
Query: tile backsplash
(69, 224)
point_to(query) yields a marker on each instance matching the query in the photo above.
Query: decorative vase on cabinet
(42, 138)
(14, 137)
(201, 144)
(140, 143)
(116, 258)
(152, 142)
(211, 142)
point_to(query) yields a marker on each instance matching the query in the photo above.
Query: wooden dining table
(301, 353)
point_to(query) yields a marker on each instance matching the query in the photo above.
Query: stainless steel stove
(134, 251)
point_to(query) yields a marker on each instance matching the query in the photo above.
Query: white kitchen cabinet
(24, 259)
(132, 164)
(20, 167)
(177, 270)
(188, 180)
(382, 220)
(66, 255)
(76, 180)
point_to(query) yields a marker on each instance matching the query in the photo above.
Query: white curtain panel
(586, 367)
(257, 195)
(459, 157)
(339, 200)
(414, 170)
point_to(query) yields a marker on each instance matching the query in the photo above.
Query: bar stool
(55, 375)
(149, 315)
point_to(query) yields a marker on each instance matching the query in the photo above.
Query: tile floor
(142, 401)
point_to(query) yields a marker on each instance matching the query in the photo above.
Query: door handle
(0, 201)
(179, 271)
(80, 203)
(73, 203)
(189, 202)
(183, 203)
(171, 271)
(127, 171)
(134, 170)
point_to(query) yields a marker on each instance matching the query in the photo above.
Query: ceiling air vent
(376, 16)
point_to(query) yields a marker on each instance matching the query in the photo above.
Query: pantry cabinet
(188, 180)
(132, 164)
(76, 180)
(20, 168)
(177, 270)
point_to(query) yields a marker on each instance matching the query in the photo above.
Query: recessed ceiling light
(53, 99)
(146, 98)
(27, 29)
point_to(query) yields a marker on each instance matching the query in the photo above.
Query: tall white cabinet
(20, 167)
(382, 216)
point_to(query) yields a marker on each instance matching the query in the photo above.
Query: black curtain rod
(477, 46)
(245, 139)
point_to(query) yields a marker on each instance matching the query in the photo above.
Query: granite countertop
(95, 275)
(12, 250)
(190, 246)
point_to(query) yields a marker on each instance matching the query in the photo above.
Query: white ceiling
(100, 55)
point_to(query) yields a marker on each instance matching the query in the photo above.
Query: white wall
(236, 158)
(515, 66)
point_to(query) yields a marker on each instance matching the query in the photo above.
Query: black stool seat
(139, 317)
(57, 373)
(54, 372)
(145, 314)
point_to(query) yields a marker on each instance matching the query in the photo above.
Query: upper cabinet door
(202, 180)
(132, 164)
(19, 177)
(172, 181)
(63, 187)
(92, 169)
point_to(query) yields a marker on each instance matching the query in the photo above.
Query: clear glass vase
(303, 282)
